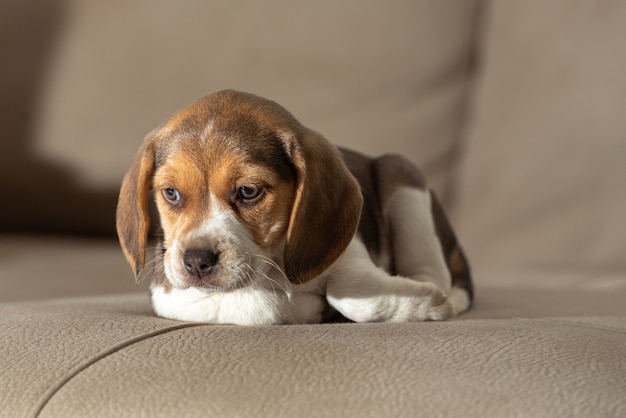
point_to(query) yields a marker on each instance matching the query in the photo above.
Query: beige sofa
(515, 111)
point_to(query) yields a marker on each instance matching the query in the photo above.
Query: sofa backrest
(374, 76)
(526, 153)
(543, 179)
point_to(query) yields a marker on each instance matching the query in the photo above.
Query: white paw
(306, 308)
(434, 305)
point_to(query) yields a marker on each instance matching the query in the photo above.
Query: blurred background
(514, 110)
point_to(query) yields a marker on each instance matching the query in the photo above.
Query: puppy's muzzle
(201, 263)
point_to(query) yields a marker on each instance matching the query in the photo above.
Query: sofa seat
(534, 345)
(109, 356)
(45, 266)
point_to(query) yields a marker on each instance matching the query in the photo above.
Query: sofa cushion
(109, 356)
(44, 267)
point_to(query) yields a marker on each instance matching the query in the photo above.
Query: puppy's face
(244, 193)
(224, 198)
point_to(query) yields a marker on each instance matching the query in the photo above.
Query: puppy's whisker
(246, 274)
(264, 277)
(152, 264)
(274, 266)
(282, 286)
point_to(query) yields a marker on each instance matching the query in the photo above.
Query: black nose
(200, 263)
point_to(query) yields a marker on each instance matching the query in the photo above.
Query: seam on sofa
(473, 73)
(39, 407)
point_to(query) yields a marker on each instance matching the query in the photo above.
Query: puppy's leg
(362, 292)
(417, 252)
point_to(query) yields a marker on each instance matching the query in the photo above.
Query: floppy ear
(326, 210)
(132, 220)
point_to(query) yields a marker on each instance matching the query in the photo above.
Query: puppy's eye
(249, 192)
(171, 195)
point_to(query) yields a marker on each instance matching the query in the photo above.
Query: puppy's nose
(200, 263)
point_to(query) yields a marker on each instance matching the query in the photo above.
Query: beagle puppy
(263, 221)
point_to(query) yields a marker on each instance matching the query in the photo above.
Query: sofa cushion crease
(94, 358)
(46, 343)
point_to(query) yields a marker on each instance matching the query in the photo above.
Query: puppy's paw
(306, 308)
(434, 305)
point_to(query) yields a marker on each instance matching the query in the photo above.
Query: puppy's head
(243, 191)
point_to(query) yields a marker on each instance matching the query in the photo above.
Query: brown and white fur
(265, 222)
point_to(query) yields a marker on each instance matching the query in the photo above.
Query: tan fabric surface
(109, 357)
(346, 370)
(40, 267)
(543, 182)
(380, 77)
(45, 344)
